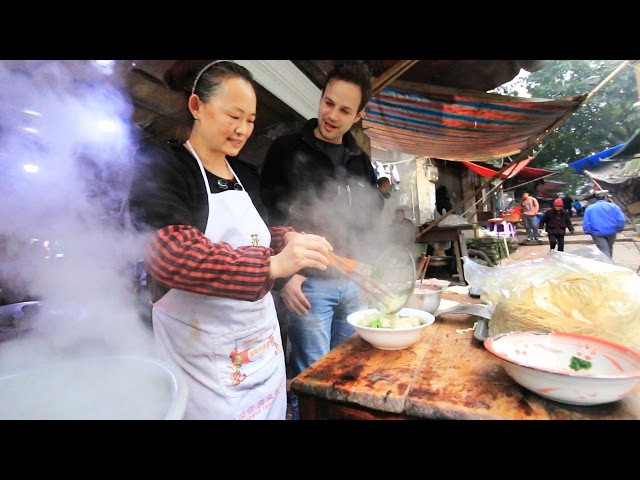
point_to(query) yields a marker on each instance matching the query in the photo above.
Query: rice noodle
(606, 305)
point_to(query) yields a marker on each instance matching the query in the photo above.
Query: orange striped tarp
(460, 125)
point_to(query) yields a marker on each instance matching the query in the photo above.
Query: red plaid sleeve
(277, 237)
(181, 257)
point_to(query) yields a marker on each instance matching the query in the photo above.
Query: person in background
(577, 206)
(443, 202)
(406, 229)
(567, 204)
(556, 221)
(530, 208)
(211, 260)
(319, 180)
(384, 187)
(603, 220)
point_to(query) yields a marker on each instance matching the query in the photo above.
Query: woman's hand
(289, 236)
(301, 251)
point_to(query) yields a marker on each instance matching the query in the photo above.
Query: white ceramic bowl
(95, 388)
(391, 338)
(541, 362)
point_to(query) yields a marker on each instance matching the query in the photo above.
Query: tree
(607, 119)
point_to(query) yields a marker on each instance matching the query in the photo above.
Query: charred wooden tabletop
(446, 375)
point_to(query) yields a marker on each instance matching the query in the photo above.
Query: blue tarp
(591, 161)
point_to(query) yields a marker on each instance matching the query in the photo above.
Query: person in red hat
(556, 221)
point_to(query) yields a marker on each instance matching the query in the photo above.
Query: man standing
(602, 220)
(530, 208)
(319, 181)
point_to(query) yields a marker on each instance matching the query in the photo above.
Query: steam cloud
(69, 121)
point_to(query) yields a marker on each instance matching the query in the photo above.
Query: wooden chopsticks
(422, 266)
(348, 267)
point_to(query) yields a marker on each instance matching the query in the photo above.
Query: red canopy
(519, 170)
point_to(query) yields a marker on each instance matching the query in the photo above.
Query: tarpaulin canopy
(620, 172)
(593, 160)
(549, 190)
(460, 125)
(621, 166)
(629, 150)
(517, 170)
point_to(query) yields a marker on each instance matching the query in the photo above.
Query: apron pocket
(248, 358)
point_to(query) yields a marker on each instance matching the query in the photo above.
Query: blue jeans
(531, 225)
(325, 325)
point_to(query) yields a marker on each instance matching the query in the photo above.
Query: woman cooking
(209, 257)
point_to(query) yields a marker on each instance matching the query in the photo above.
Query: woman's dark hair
(203, 80)
(355, 72)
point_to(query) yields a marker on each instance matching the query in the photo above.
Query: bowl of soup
(391, 332)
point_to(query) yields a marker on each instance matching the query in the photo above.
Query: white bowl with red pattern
(568, 368)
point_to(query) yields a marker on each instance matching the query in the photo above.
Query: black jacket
(302, 187)
(167, 187)
(556, 221)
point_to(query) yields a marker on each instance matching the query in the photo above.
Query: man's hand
(292, 296)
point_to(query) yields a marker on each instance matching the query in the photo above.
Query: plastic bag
(592, 252)
(561, 292)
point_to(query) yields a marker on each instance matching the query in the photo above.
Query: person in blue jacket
(603, 220)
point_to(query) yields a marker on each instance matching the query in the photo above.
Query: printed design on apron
(250, 354)
(264, 404)
(255, 240)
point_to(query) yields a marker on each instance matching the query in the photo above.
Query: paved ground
(625, 252)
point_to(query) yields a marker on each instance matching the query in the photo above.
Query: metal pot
(15, 318)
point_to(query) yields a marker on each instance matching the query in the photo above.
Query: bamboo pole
(536, 179)
(608, 79)
(598, 87)
(391, 74)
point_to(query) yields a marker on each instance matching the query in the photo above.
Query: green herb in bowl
(579, 364)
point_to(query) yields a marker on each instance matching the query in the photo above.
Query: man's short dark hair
(355, 71)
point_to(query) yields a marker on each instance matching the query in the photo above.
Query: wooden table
(449, 233)
(446, 375)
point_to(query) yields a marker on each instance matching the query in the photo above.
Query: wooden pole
(391, 74)
(536, 179)
(610, 77)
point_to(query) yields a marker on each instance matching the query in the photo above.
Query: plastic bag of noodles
(561, 292)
